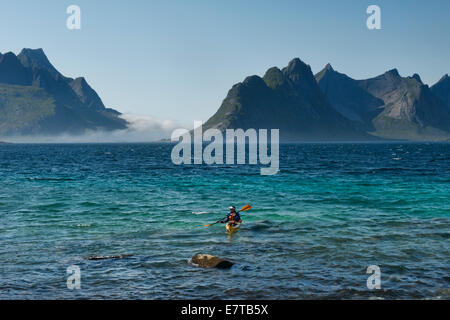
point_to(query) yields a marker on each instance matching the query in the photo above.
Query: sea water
(332, 211)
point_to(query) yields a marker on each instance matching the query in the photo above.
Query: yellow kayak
(232, 228)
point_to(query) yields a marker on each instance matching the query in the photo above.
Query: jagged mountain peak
(273, 71)
(445, 77)
(36, 58)
(253, 80)
(296, 67)
(326, 71)
(417, 78)
(393, 73)
(289, 100)
(12, 71)
(274, 77)
(37, 53)
(329, 67)
(8, 56)
(390, 106)
(347, 97)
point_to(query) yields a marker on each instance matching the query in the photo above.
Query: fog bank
(140, 129)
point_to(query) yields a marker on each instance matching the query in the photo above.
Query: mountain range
(35, 98)
(331, 106)
(389, 106)
(290, 100)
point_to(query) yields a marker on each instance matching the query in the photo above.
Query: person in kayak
(233, 218)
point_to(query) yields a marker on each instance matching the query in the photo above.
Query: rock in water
(209, 261)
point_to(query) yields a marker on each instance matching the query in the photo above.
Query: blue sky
(178, 59)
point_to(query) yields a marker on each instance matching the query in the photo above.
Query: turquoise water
(333, 210)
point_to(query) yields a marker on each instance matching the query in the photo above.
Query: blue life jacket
(237, 218)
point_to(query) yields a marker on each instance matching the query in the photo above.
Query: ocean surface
(332, 211)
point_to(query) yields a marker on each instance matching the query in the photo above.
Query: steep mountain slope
(36, 59)
(37, 99)
(388, 106)
(411, 111)
(23, 107)
(287, 99)
(348, 98)
(12, 71)
(86, 94)
(442, 90)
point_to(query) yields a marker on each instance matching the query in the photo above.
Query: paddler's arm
(224, 220)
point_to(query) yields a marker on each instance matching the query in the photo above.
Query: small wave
(122, 256)
(262, 225)
(199, 212)
(84, 225)
(89, 204)
(50, 179)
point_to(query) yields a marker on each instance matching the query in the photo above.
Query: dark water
(333, 210)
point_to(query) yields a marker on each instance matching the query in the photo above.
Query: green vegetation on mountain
(37, 99)
(22, 107)
(332, 106)
(289, 100)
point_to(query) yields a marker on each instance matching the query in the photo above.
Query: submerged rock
(122, 256)
(209, 261)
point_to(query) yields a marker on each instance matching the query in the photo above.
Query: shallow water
(333, 210)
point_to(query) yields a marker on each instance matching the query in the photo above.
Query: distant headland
(36, 99)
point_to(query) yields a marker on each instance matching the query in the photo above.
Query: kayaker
(233, 218)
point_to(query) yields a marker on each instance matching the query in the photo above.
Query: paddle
(244, 208)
